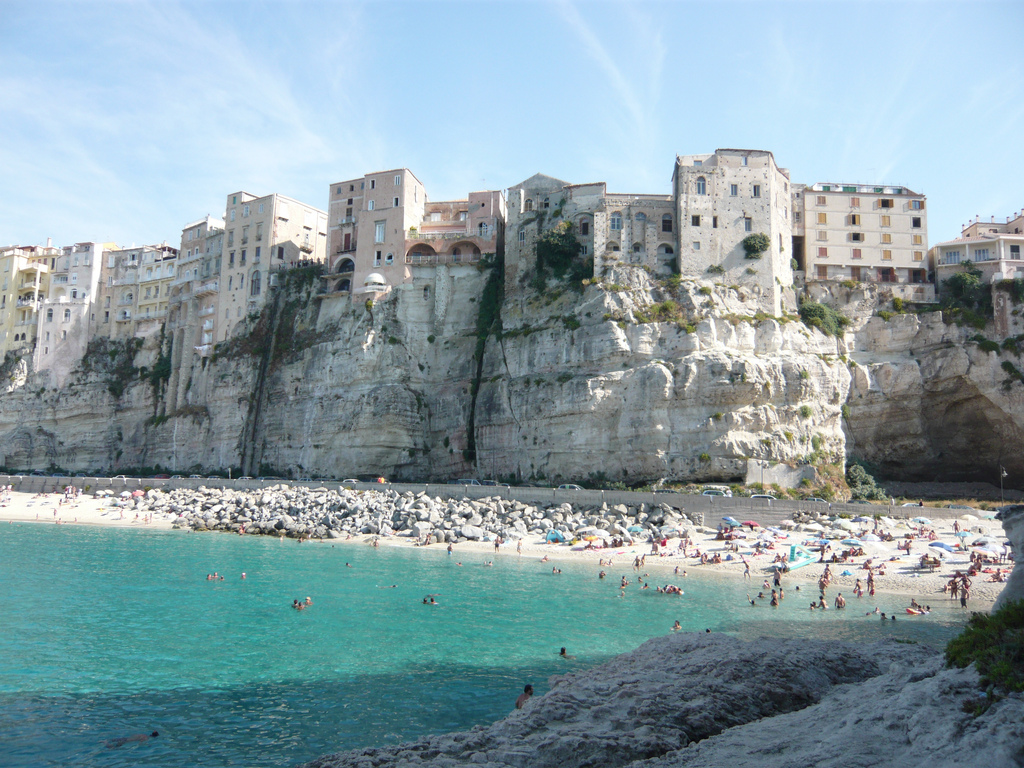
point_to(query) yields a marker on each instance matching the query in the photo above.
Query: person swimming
(140, 737)
(565, 655)
(677, 626)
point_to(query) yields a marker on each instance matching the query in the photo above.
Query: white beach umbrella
(970, 518)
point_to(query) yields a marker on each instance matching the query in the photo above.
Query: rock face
(695, 699)
(628, 380)
(1013, 526)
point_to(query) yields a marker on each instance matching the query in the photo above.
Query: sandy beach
(902, 575)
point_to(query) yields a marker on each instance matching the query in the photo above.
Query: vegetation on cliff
(823, 317)
(995, 645)
(113, 359)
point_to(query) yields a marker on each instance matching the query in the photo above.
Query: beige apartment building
(262, 236)
(382, 225)
(992, 246)
(134, 291)
(723, 198)
(24, 284)
(865, 233)
(67, 314)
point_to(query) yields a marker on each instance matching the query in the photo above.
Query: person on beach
(139, 737)
(524, 696)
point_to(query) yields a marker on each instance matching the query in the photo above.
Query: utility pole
(1002, 474)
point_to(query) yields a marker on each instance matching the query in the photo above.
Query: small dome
(375, 278)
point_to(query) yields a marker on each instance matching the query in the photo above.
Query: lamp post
(1002, 474)
(762, 462)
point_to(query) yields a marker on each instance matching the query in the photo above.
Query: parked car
(350, 481)
(569, 487)
(119, 477)
(667, 490)
(723, 490)
(38, 473)
(495, 483)
(245, 477)
(764, 497)
(468, 481)
(817, 499)
(176, 477)
(160, 477)
(58, 474)
(195, 477)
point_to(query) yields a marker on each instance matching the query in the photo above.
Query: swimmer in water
(565, 655)
(677, 626)
(243, 574)
(129, 739)
(309, 600)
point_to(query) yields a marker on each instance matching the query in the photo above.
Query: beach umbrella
(961, 534)
(816, 543)
(990, 551)
(970, 518)
(922, 520)
(586, 529)
(590, 538)
(870, 537)
(815, 527)
(554, 535)
(846, 525)
(752, 523)
(788, 524)
(138, 493)
(981, 542)
(852, 542)
(731, 521)
(635, 529)
(941, 545)
(125, 494)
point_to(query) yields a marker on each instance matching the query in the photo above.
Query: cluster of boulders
(282, 510)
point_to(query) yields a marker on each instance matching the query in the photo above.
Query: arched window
(49, 315)
(584, 225)
(637, 247)
(615, 222)
(389, 259)
(529, 205)
(665, 250)
(615, 248)
(345, 285)
(666, 222)
(456, 251)
(702, 186)
(547, 202)
(641, 219)
(67, 315)
(255, 284)
(347, 265)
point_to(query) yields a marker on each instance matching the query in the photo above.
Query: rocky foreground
(321, 513)
(712, 700)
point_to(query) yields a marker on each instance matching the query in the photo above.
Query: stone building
(612, 228)
(865, 233)
(262, 236)
(134, 291)
(67, 314)
(381, 225)
(24, 284)
(992, 246)
(192, 308)
(722, 199)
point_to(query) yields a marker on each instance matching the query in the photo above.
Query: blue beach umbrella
(635, 529)
(961, 534)
(731, 521)
(852, 542)
(554, 535)
(942, 545)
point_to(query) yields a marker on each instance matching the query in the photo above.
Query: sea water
(107, 633)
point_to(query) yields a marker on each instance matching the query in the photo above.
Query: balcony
(208, 324)
(27, 321)
(346, 249)
(204, 350)
(306, 248)
(207, 311)
(444, 234)
(211, 286)
(442, 258)
(124, 317)
(29, 303)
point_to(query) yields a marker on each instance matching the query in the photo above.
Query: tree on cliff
(558, 250)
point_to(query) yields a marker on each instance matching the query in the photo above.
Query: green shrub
(705, 290)
(851, 284)
(716, 269)
(393, 340)
(704, 458)
(897, 304)
(823, 317)
(431, 338)
(564, 377)
(995, 645)
(805, 374)
(886, 315)
(717, 416)
(571, 322)
(756, 244)
(862, 485)
(845, 410)
(805, 411)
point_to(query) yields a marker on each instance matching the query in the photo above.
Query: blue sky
(124, 121)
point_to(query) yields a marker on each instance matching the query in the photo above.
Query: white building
(994, 247)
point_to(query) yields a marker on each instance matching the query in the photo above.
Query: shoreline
(903, 577)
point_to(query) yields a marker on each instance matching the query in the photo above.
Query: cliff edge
(703, 699)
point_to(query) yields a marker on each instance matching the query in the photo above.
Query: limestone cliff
(630, 379)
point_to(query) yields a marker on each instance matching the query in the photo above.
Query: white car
(569, 487)
(764, 496)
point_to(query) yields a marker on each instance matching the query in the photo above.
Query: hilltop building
(721, 200)
(263, 235)
(994, 247)
(67, 314)
(382, 224)
(24, 284)
(134, 292)
(864, 233)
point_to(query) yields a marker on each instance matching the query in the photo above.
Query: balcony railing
(346, 248)
(124, 318)
(442, 258)
(207, 311)
(204, 350)
(211, 286)
(444, 235)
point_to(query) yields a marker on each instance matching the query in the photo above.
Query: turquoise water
(108, 633)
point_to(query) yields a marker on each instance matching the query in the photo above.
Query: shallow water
(106, 633)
